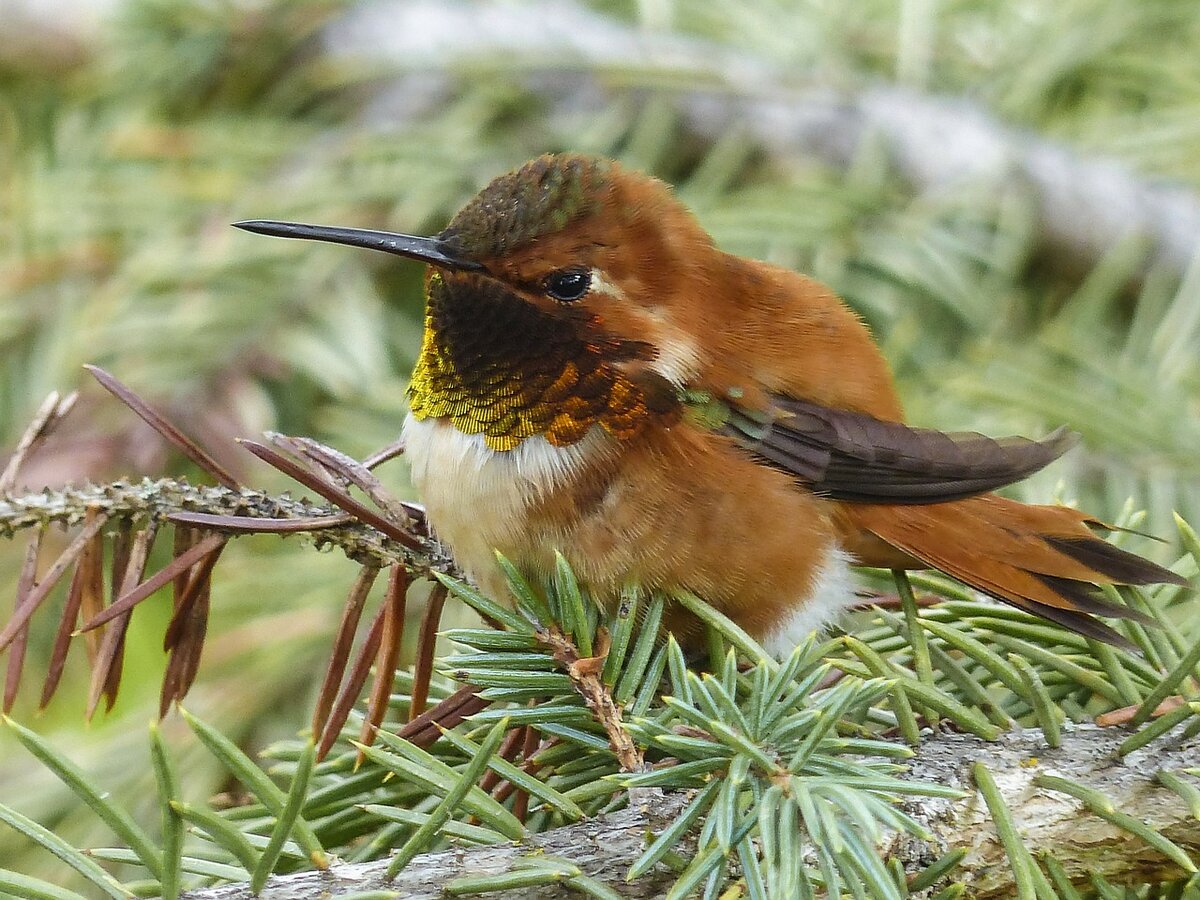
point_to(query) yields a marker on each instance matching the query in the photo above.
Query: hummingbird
(598, 378)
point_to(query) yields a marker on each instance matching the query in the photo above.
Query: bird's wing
(854, 457)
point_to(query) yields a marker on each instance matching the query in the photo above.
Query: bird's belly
(678, 513)
(480, 500)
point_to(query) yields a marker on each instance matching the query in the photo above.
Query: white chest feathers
(479, 499)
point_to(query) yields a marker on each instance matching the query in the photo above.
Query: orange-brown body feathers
(598, 378)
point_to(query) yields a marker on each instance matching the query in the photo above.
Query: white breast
(478, 499)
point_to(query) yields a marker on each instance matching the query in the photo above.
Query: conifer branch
(1051, 823)
(168, 498)
(584, 672)
(603, 848)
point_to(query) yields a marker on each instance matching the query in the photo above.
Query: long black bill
(426, 249)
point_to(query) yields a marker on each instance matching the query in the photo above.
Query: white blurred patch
(601, 285)
(831, 591)
(678, 361)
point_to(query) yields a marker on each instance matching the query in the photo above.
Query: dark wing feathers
(1087, 598)
(854, 457)
(1119, 565)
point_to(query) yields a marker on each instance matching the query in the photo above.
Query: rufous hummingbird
(597, 377)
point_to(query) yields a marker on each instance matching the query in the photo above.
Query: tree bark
(603, 848)
(1047, 821)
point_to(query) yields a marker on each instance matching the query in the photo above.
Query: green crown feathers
(542, 197)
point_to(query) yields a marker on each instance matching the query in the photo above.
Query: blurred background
(1006, 190)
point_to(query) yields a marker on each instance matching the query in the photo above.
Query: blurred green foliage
(125, 158)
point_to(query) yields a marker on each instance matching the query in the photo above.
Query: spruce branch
(601, 848)
(1049, 821)
(775, 765)
(782, 770)
(202, 530)
(215, 508)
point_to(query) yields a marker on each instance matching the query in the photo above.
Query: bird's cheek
(673, 353)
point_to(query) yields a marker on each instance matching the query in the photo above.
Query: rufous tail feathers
(1043, 559)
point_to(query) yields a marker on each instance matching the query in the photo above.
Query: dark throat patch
(497, 366)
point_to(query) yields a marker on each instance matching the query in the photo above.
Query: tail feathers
(1078, 622)
(1113, 562)
(1043, 559)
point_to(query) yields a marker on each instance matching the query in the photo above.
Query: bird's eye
(569, 285)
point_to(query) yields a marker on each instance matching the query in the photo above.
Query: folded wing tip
(854, 457)
(1061, 439)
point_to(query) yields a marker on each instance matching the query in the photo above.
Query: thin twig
(382, 455)
(177, 500)
(52, 411)
(426, 643)
(16, 654)
(584, 673)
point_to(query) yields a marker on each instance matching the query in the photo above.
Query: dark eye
(569, 285)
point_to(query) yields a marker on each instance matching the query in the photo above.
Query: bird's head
(569, 268)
